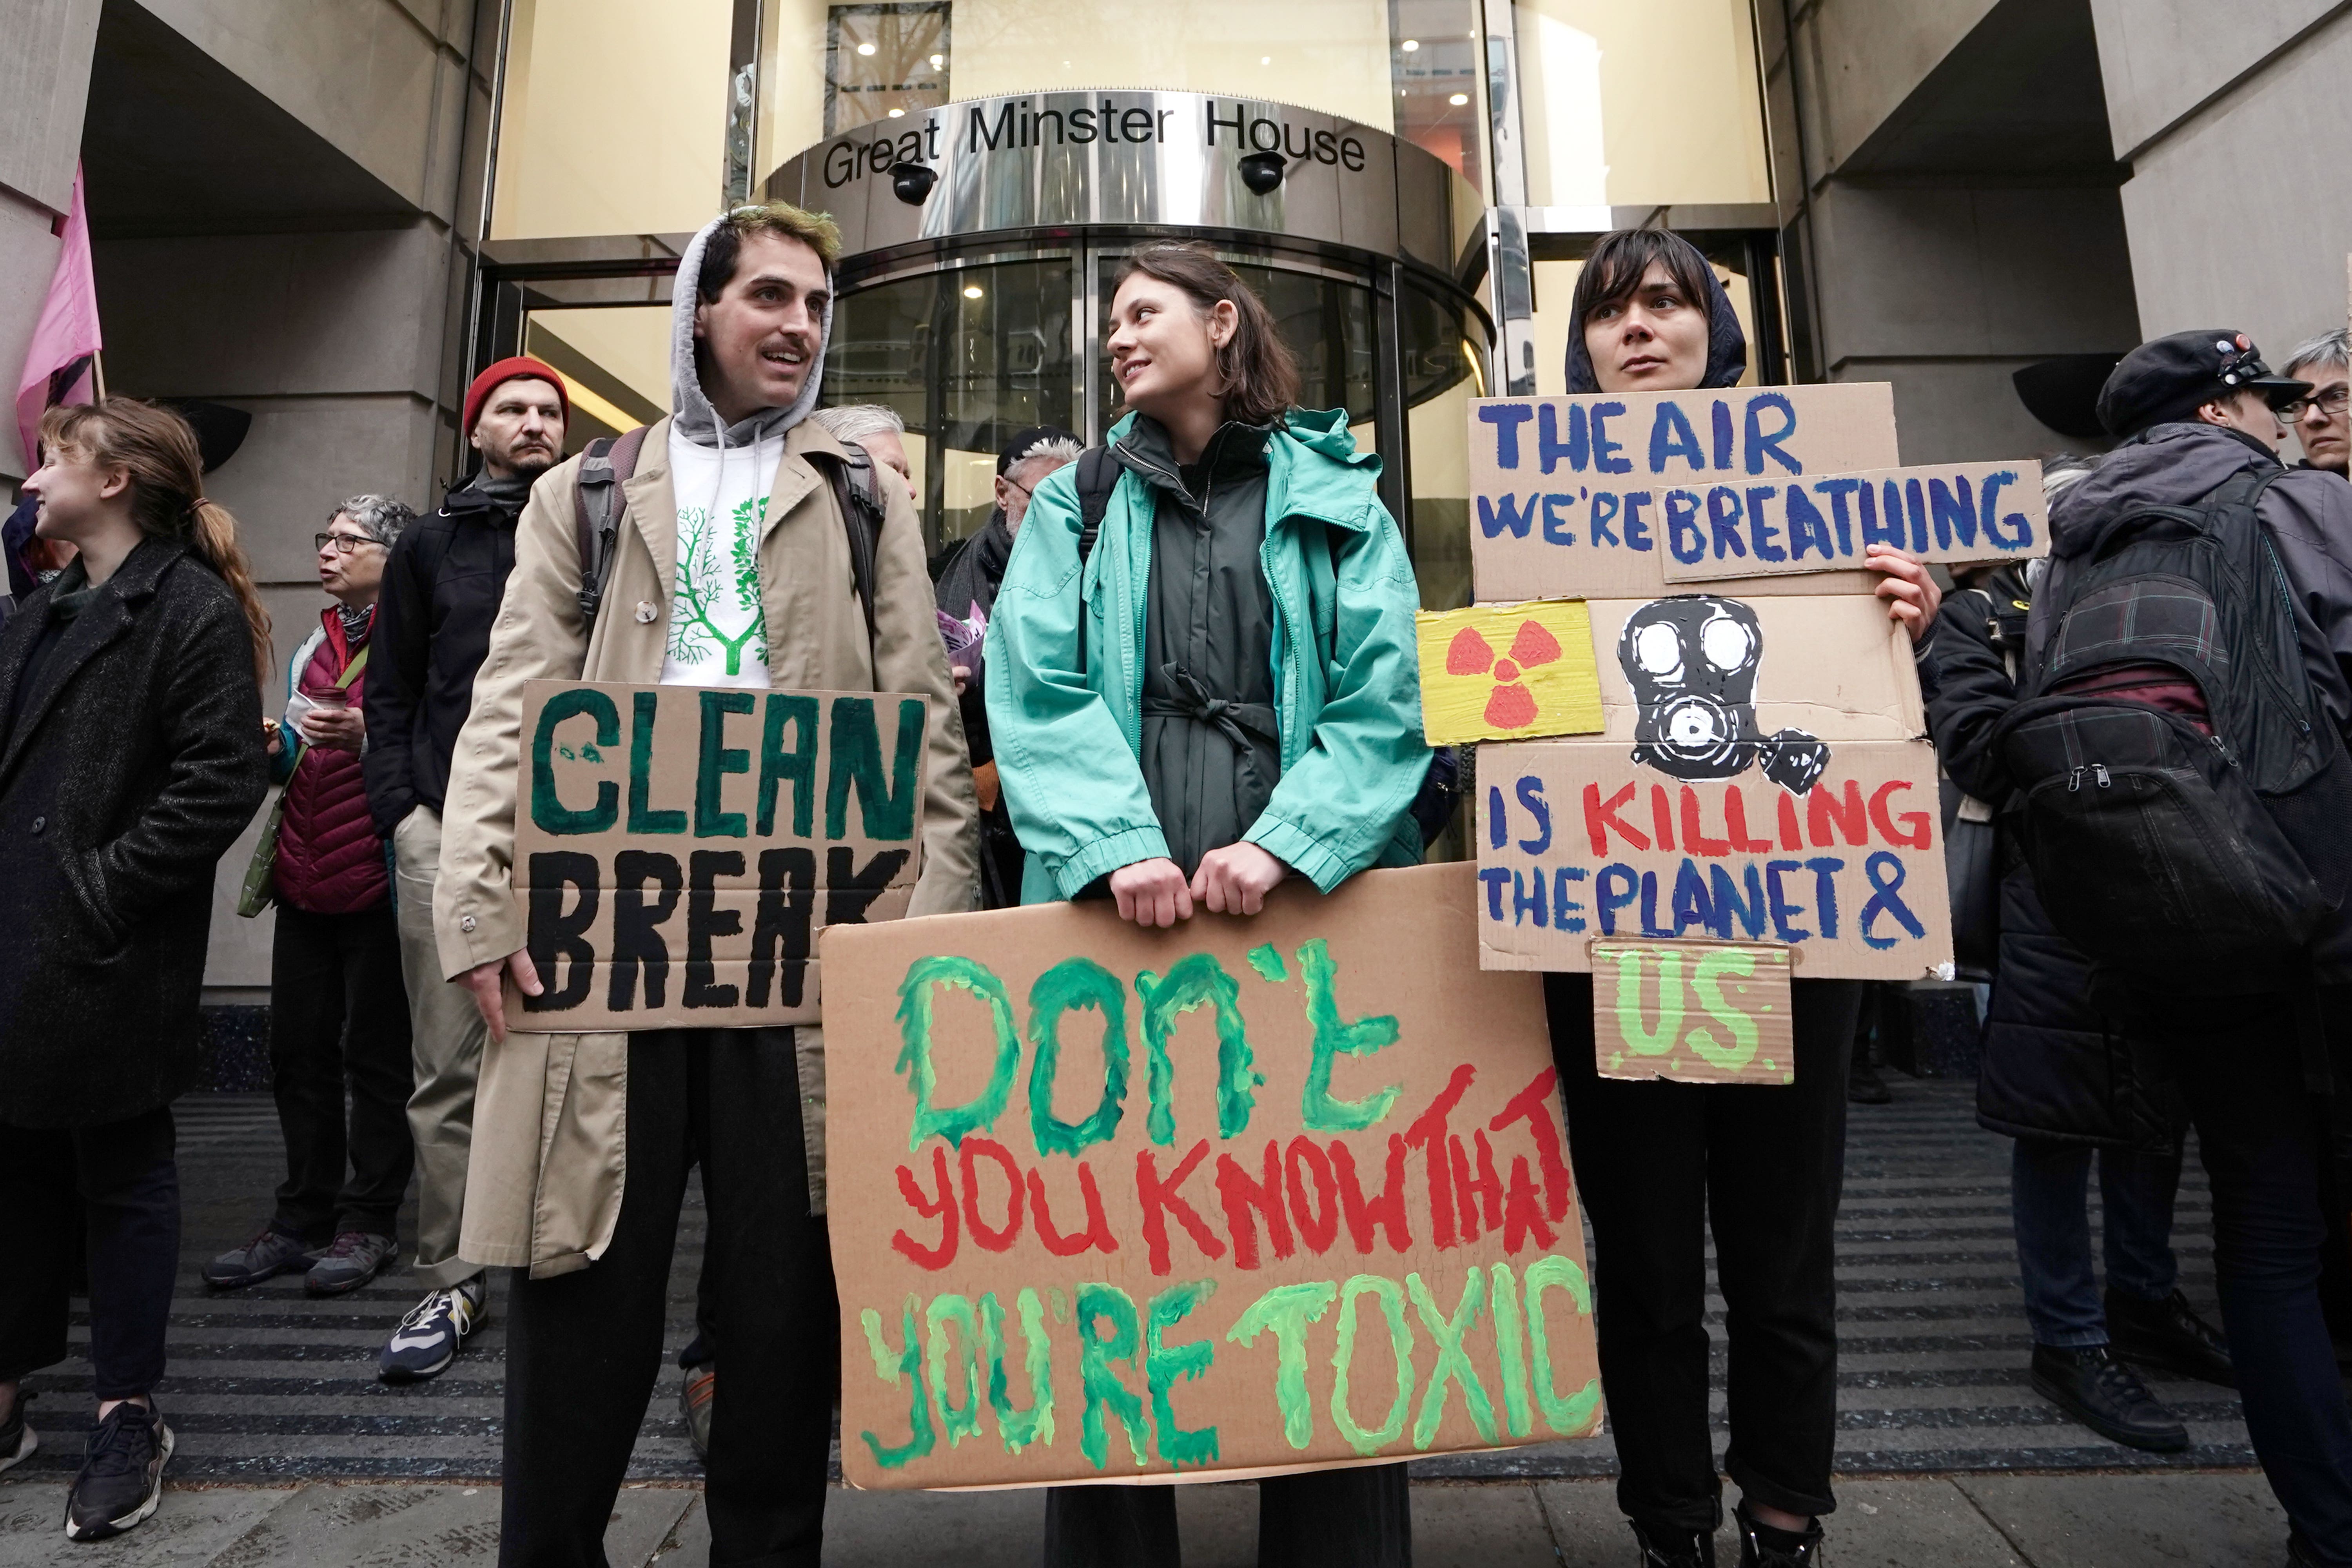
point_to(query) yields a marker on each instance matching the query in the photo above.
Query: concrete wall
(1949, 206)
(2235, 120)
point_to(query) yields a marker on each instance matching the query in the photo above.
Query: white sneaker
(428, 1339)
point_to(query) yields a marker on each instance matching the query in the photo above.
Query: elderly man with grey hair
(2319, 419)
(338, 1007)
(880, 430)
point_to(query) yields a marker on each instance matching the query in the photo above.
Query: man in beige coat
(583, 1143)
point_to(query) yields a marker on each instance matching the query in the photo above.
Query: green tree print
(718, 578)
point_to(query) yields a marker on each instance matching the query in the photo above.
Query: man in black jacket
(441, 593)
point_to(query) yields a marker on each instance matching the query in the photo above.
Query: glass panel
(883, 62)
(1556, 291)
(615, 362)
(1439, 89)
(1444, 368)
(966, 358)
(1639, 104)
(1326, 322)
(611, 123)
(1329, 54)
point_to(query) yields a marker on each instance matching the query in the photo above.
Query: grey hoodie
(2308, 512)
(696, 419)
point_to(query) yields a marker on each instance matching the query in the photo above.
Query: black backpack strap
(597, 508)
(862, 514)
(1097, 477)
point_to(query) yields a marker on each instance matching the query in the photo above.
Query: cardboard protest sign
(1695, 1012)
(752, 819)
(1508, 672)
(1242, 1197)
(1580, 838)
(1955, 512)
(1586, 497)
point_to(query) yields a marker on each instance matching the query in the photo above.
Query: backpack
(598, 504)
(2196, 852)
(1433, 806)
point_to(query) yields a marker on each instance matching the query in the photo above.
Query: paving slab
(881, 1529)
(190, 1529)
(2133, 1521)
(1480, 1525)
(367, 1527)
(1891, 1523)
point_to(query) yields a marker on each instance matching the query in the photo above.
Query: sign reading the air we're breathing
(1757, 489)
(677, 849)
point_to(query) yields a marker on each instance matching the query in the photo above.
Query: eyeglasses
(340, 543)
(1016, 484)
(2332, 403)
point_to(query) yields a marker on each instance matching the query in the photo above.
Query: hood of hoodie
(2170, 465)
(1727, 345)
(696, 419)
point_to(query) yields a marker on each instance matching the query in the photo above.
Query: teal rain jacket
(1068, 727)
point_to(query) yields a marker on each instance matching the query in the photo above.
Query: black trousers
(1356, 1518)
(1655, 1162)
(105, 1198)
(583, 1349)
(338, 1015)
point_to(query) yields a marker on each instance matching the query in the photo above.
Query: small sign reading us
(1694, 1012)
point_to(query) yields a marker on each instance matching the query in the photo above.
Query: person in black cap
(970, 577)
(2193, 411)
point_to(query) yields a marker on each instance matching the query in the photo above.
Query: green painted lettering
(1706, 984)
(1193, 980)
(1390, 1296)
(1633, 1022)
(890, 1366)
(1165, 1365)
(1571, 1416)
(1018, 1427)
(962, 1379)
(1452, 1359)
(717, 761)
(1097, 1305)
(796, 767)
(887, 809)
(548, 814)
(1334, 1039)
(1287, 1310)
(1267, 961)
(924, 976)
(643, 817)
(1510, 1348)
(1075, 982)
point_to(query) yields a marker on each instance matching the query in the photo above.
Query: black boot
(2103, 1394)
(1761, 1546)
(1665, 1546)
(1863, 1084)
(2169, 1337)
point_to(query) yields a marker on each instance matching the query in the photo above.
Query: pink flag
(58, 363)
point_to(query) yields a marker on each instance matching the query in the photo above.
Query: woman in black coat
(2059, 1079)
(132, 755)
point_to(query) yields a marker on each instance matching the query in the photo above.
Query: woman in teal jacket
(1222, 690)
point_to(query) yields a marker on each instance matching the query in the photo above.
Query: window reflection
(883, 62)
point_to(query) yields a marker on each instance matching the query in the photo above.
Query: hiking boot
(1788, 1549)
(429, 1338)
(2107, 1397)
(17, 1438)
(351, 1261)
(1667, 1546)
(2168, 1336)
(694, 1396)
(121, 1475)
(270, 1253)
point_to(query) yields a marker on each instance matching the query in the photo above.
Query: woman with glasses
(338, 1010)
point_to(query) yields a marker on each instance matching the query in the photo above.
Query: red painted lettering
(942, 1208)
(1428, 1134)
(1533, 1104)
(1790, 838)
(1159, 1199)
(1695, 841)
(1661, 817)
(1386, 1212)
(1240, 1195)
(1097, 1235)
(994, 1239)
(1823, 809)
(1735, 823)
(1522, 1215)
(1319, 1226)
(1599, 819)
(1920, 836)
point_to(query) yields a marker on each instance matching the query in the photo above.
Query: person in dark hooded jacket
(2062, 1080)
(1657, 1161)
(2193, 410)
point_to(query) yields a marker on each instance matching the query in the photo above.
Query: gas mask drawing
(1692, 661)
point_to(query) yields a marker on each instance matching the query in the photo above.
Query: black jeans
(583, 1348)
(1655, 1162)
(2260, 1135)
(1356, 1517)
(107, 1197)
(339, 1014)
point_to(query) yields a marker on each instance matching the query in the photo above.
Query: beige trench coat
(550, 1143)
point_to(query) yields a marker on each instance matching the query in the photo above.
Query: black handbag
(1972, 875)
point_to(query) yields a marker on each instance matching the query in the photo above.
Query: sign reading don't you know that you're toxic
(677, 849)
(1275, 1192)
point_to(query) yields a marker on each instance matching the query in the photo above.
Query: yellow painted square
(1508, 672)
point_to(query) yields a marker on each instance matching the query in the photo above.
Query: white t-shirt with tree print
(718, 633)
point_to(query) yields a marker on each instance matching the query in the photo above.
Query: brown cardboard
(1435, 1078)
(733, 796)
(1833, 665)
(1952, 512)
(1536, 489)
(1692, 1012)
(1577, 839)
